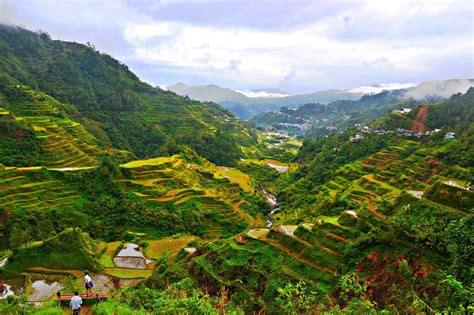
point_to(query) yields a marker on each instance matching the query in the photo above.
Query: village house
(450, 135)
(356, 137)
(131, 257)
(403, 111)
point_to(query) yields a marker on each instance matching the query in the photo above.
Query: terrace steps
(297, 256)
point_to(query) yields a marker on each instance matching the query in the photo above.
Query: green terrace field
(254, 264)
(214, 194)
(63, 142)
(375, 183)
(34, 188)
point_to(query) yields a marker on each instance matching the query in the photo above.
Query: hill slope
(114, 105)
(384, 219)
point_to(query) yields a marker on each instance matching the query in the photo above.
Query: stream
(272, 201)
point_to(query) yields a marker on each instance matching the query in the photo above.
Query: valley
(178, 206)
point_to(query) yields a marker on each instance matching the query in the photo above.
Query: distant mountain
(323, 97)
(210, 92)
(249, 103)
(246, 104)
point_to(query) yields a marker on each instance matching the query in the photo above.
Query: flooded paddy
(12, 286)
(39, 287)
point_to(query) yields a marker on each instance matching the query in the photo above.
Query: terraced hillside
(121, 111)
(33, 188)
(62, 142)
(253, 265)
(214, 196)
(379, 220)
(342, 234)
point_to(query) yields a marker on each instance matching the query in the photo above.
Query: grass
(125, 273)
(235, 176)
(157, 248)
(106, 259)
(151, 162)
(258, 233)
(74, 272)
(332, 220)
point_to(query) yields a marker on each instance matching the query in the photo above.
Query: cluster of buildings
(399, 132)
(301, 127)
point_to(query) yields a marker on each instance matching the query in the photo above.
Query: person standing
(88, 284)
(75, 304)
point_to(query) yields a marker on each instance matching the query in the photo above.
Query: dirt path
(85, 310)
(419, 123)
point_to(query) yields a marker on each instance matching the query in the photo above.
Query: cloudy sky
(298, 46)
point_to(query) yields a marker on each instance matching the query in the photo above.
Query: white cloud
(263, 94)
(257, 55)
(352, 43)
(372, 89)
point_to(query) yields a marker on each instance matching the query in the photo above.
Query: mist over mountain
(265, 93)
(249, 103)
(443, 89)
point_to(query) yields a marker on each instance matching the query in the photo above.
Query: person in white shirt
(88, 284)
(76, 303)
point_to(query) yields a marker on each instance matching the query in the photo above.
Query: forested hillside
(114, 105)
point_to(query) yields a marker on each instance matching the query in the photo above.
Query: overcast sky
(298, 46)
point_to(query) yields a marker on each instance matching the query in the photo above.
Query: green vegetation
(70, 249)
(92, 158)
(114, 105)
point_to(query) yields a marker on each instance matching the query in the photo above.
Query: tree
(19, 237)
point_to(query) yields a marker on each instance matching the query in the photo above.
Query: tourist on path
(76, 303)
(88, 284)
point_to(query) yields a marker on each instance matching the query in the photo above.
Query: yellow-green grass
(265, 162)
(31, 168)
(150, 162)
(371, 178)
(146, 182)
(125, 273)
(331, 220)
(106, 259)
(234, 176)
(37, 128)
(101, 247)
(36, 244)
(136, 193)
(258, 233)
(157, 248)
(74, 272)
(275, 162)
(111, 247)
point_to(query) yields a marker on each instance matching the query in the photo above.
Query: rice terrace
(228, 157)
